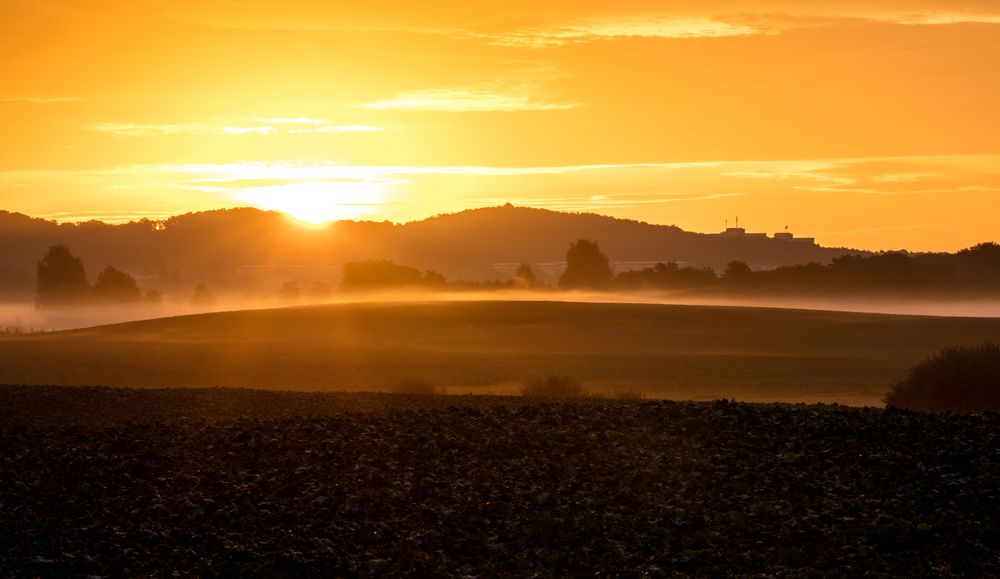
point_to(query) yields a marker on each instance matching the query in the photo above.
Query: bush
(961, 379)
(553, 386)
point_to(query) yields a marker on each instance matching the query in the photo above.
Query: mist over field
(26, 318)
(476, 346)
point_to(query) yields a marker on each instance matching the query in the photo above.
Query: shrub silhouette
(961, 379)
(553, 386)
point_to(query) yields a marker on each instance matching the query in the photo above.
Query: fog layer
(25, 318)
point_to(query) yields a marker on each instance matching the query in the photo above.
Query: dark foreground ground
(157, 482)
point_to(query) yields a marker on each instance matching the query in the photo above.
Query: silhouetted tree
(60, 280)
(980, 265)
(115, 286)
(586, 266)
(887, 270)
(202, 297)
(376, 274)
(524, 277)
(435, 279)
(667, 276)
(738, 275)
(808, 278)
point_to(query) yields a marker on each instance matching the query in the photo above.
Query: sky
(872, 125)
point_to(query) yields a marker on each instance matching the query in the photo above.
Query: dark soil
(176, 483)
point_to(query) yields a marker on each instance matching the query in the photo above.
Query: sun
(318, 202)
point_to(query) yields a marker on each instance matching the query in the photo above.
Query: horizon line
(128, 217)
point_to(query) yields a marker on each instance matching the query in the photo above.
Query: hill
(239, 247)
(681, 352)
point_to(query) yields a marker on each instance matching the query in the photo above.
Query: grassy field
(662, 351)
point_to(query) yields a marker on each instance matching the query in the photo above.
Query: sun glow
(869, 125)
(318, 201)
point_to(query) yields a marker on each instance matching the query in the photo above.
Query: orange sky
(866, 124)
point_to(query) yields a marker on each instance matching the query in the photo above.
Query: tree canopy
(586, 267)
(60, 279)
(116, 286)
(381, 273)
(525, 277)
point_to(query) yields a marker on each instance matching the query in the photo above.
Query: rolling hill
(681, 352)
(229, 247)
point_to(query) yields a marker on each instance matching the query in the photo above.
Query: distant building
(742, 233)
(789, 237)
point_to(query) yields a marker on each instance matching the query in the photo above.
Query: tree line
(971, 272)
(61, 280)
(216, 247)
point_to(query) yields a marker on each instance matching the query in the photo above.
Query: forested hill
(463, 244)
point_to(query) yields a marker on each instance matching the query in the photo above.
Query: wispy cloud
(903, 177)
(666, 26)
(814, 178)
(275, 126)
(481, 98)
(331, 170)
(938, 18)
(895, 172)
(881, 176)
(38, 100)
(608, 202)
(634, 27)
